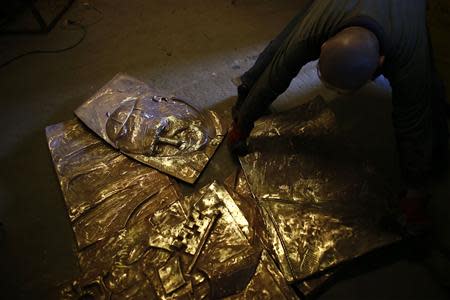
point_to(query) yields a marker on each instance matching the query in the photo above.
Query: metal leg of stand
(37, 15)
(44, 27)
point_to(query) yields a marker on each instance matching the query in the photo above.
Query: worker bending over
(356, 41)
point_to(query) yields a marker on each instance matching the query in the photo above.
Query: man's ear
(381, 61)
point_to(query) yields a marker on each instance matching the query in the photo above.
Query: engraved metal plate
(321, 203)
(165, 133)
(238, 185)
(267, 283)
(104, 190)
(198, 247)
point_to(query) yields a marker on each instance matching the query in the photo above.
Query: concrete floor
(192, 50)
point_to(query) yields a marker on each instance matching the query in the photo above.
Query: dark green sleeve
(251, 76)
(412, 89)
(275, 79)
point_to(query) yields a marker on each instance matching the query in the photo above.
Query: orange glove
(237, 140)
(413, 205)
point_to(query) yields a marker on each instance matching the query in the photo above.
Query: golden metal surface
(320, 202)
(171, 275)
(289, 213)
(198, 247)
(310, 287)
(165, 133)
(104, 190)
(266, 283)
(238, 186)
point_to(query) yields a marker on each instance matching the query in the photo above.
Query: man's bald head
(349, 59)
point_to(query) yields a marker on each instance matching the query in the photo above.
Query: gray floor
(191, 49)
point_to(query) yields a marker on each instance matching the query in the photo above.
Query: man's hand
(237, 140)
(413, 204)
(411, 220)
(414, 218)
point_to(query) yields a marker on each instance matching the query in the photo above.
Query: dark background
(191, 49)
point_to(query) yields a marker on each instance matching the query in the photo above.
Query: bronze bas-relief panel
(166, 133)
(197, 247)
(238, 185)
(321, 203)
(104, 190)
(267, 283)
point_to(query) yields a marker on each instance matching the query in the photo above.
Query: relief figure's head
(157, 126)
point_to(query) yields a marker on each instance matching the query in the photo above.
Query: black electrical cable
(50, 51)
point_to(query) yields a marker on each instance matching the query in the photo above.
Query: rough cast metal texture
(238, 185)
(198, 247)
(267, 283)
(313, 286)
(104, 190)
(166, 133)
(321, 203)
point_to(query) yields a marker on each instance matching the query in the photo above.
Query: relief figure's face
(157, 126)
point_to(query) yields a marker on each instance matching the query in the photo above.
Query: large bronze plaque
(165, 133)
(104, 190)
(197, 247)
(238, 185)
(267, 283)
(321, 202)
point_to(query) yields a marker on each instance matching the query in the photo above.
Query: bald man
(355, 41)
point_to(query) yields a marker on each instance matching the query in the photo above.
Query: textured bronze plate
(321, 202)
(197, 247)
(104, 190)
(311, 287)
(238, 185)
(267, 283)
(165, 133)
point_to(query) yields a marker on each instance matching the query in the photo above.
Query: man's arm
(287, 62)
(412, 89)
(249, 78)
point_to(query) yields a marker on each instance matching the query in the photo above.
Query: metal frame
(44, 26)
